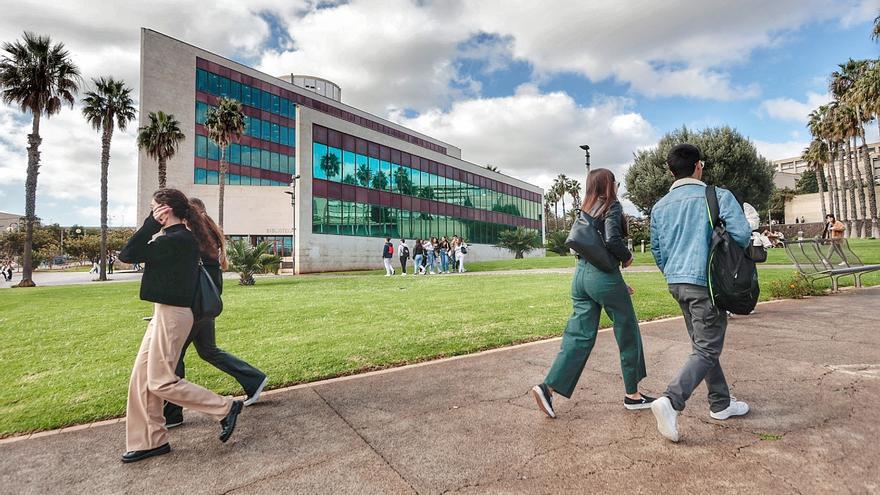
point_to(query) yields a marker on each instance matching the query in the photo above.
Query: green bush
(796, 287)
(556, 242)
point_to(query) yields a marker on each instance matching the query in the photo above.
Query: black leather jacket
(614, 233)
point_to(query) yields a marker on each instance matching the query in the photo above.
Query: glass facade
(333, 164)
(265, 155)
(337, 217)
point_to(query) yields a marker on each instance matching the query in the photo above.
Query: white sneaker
(736, 408)
(667, 418)
(404, 274)
(256, 395)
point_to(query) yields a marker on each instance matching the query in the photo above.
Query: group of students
(96, 263)
(430, 256)
(157, 391)
(680, 242)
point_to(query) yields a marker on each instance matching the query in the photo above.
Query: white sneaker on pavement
(667, 418)
(736, 408)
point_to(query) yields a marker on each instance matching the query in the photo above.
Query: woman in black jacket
(170, 282)
(592, 290)
(203, 334)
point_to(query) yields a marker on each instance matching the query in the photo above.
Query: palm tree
(519, 241)
(836, 130)
(561, 186)
(875, 33)
(864, 95)
(109, 106)
(816, 155)
(160, 140)
(841, 83)
(817, 124)
(38, 77)
(548, 200)
(574, 189)
(225, 124)
(247, 260)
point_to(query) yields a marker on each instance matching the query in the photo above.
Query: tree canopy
(732, 162)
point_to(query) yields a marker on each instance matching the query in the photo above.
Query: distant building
(361, 177)
(9, 221)
(789, 170)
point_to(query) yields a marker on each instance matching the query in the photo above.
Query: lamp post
(292, 192)
(586, 148)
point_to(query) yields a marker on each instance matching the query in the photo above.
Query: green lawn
(67, 351)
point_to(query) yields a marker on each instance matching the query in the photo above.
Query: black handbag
(589, 244)
(207, 303)
(758, 254)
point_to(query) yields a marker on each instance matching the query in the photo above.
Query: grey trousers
(706, 326)
(204, 337)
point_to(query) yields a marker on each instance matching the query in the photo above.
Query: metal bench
(826, 258)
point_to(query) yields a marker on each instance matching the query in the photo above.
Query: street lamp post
(292, 192)
(586, 149)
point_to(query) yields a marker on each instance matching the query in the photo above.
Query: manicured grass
(67, 351)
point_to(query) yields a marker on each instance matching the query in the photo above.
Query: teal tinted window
(265, 159)
(333, 164)
(246, 95)
(245, 155)
(283, 133)
(363, 174)
(319, 151)
(348, 168)
(385, 167)
(275, 162)
(374, 171)
(266, 135)
(201, 80)
(201, 110)
(224, 86)
(276, 133)
(235, 153)
(276, 104)
(213, 151)
(285, 106)
(201, 146)
(213, 177)
(201, 176)
(235, 91)
(266, 101)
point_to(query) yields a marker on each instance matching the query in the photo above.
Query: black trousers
(403, 263)
(203, 336)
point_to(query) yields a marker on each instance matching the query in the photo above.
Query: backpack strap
(712, 206)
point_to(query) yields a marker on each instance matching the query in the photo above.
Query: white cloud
(793, 110)
(536, 135)
(778, 151)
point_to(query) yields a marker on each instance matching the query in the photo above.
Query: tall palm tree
(225, 124)
(840, 85)
(865, 98)
(39, 77)
(548, 200)
(817, 125)
(574, 189)
(108, 106)
(816, 155)
(561, 186)
(160, 140)
(875, 33)
(836, 130)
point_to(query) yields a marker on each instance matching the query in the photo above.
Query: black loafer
(139, 455)
(227, 424)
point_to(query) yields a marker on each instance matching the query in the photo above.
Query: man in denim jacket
(680, 237)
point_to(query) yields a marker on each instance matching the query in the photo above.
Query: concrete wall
(809, 206)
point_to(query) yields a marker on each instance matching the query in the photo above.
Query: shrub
(556, 242)
(796, 287)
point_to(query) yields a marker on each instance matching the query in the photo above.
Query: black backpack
(404, 253)
(733, 276)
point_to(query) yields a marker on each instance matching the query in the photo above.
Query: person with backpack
(461, 250)
(682, 234)
(403, 252)
(387, 256)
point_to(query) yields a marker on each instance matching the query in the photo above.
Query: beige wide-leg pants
(153, 381)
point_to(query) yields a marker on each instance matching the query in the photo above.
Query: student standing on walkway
(387, 256)
(403, 252)
(169, 281)
(680, 239)
(592, 290)
(203, 334)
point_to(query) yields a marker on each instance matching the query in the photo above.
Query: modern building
(361, 177)
(10, 221)
(789, 170)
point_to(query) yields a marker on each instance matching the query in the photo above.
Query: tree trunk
(820, 176)
(869, 178)
(556, 215)
(844, 212)
(30, 201)
(853, 185)
(833, 189)
(860, 187)
(105, 165)
(162, 172)
(519, 255)
(222, 185)
(564, 218)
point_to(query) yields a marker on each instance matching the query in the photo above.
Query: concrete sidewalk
(810, 370)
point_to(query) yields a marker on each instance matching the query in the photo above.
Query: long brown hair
(218, 244)
(182, 208)
(601, 190)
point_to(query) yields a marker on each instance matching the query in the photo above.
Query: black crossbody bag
(207, 302)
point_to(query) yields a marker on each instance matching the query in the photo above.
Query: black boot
(227, 424)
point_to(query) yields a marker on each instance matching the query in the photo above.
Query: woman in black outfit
(203, 333)
(170, 282)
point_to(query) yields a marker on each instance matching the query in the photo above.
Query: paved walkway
(810, 369)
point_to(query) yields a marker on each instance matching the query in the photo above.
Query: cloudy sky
(516, 84)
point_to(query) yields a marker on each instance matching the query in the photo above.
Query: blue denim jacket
(680, 231)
